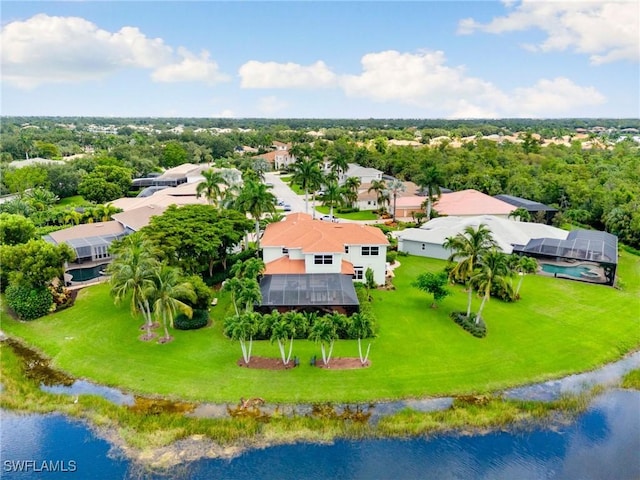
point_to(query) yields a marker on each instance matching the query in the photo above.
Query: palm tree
(430, 179)
(72, 216)
(132, 271)
(324, 332)
(166, 288)
(256, 199)
(104, 212)
(382, 195)
(285, 329)
(467, 247)
(331, 197)
(211, 186)
(521, 214)
(351, 186)
(338, 164)
(307, 174)
(242, 328)
(249, 294)
(523, 266)
(493, 271)
(396, 187)
(362, 326)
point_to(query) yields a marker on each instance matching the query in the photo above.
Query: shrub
(469, 324)
(199, 319)
(391, 257)
(29, 303)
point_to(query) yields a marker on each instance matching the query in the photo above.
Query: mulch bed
(265, 363)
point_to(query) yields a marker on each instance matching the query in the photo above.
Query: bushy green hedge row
(199, 319)
(29, 303)
(469, 324)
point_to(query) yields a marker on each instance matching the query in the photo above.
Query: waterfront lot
(559, 327)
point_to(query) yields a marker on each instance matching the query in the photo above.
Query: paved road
(283, 192)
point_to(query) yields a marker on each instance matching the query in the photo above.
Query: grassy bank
(559, 327)
(632, 380)
(147, 432)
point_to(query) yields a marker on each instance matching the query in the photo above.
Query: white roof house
(428, 240)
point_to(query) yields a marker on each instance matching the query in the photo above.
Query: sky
(321, 59)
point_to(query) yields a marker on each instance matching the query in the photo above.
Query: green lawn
(360, 215)
(558, 327)
(75, 201)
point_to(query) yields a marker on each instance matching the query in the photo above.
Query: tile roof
(471, 202)
(139, 217)
(87, 230)
(299, 230)
(286, 266)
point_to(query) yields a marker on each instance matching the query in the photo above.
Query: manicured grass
(559, 327)
(74, 201)
(360, 215)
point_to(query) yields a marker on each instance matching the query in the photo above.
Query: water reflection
(82, 387)
(603, 443)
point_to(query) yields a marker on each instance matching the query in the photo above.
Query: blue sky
(330, 59)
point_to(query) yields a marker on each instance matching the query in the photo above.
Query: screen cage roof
(313, 289)
(580, 245)
(85, 246)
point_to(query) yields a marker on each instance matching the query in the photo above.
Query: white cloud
(607, 31)
(49, 49)
(226, 113)
(424, 80)
(191, 68)
(256, 74)
(551, 97)
(271, 104)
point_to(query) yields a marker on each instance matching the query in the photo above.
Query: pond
(602, 443)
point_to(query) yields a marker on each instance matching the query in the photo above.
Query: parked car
(328, 218)
(287, 207)
(280, 203)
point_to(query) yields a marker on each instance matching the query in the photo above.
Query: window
(358, 273)
(323, 259)
(285, 250)
(370, 250)
(346, 249)
(423, 246)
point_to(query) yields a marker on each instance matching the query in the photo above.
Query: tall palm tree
(283, 330)
(430, 179)
(382, 195)
(331, 197)
(256, 199)
(211, 186)
(324, 332)
(396, 187)
(338, 163)
(166, 288)
(249, 294)
(132, 272)
(307, 174)
(351, 186)
(467, 247)
(493, 271)
(242, 328)
(361, 326)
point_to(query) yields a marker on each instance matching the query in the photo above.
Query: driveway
(283, 192)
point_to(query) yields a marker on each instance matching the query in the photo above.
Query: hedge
(199, 319)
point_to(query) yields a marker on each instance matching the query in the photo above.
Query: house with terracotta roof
(313, 264)
(280, 158)
(466, 203)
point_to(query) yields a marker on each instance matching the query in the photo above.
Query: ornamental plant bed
(265, 363)
(346, 363)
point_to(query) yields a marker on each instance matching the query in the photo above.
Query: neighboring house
(280, 158)
(90, 241)
(471, 202)
(369, 200)
(534, 208)
(183, 194)
(172, 177)
(311, 264)
(428, 240)
(365, 174)
(34, 161)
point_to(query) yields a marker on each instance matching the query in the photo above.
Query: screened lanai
(309, 292)
(580, 246)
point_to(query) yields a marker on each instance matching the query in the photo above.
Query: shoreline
(258, 428)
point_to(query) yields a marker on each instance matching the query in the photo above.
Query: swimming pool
(87, 273)
(578, 271)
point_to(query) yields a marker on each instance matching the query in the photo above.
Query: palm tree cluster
(480, 266)
(154, 288)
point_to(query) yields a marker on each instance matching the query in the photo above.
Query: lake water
(603, 443)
